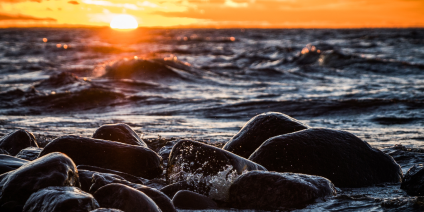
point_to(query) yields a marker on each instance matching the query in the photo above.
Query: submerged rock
(119, 132)
(339, 156)
(29, 153)
(206, 167)
(131, 159)
(124, 198)
(273, 190)
(413, 182)
(16, 141)
(10, 163)
(258, 129)
(55, 169)
(193, 201)
(61, 199)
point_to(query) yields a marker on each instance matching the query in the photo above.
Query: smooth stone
(337, 155)
(124, 198)
(120, 133)
(161, 200)
(126, 176)
(29, 153)
(16, 141)
(193, 201)
(131, 159)
(106, 210)
(260, 128)
(273, 190)
(413, 182)
(4, 152)
(63, 199)
(172, 189)
(10, 163)
(55, 169)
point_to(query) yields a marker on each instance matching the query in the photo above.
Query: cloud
(73, 2)
(110, 4)
(7, 17)
(231, 3)
(17, 1)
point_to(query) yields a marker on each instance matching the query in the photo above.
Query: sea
(205, 84)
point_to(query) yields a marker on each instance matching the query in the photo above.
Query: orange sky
(216, 13)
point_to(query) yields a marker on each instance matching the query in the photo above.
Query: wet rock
(124, 198)
(107, 210)
(166, 150)
(131, 159)
(172, 189)
(29, 153)
(120, 133)
(60, 199)
(10, 163)
(339, 156)
(258, 129)
(16, 141)
(161, 200)
(205, 167)
(413, 182)
(273, 190)
(193, 201)
(405, 156)
(55, 169)
(126, 176)
(4, 152)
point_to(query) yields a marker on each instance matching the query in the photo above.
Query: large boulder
(124, 198)
(413, 182)
(136, 160)
(193, 201)
(278, 191)
(55, 169)
(337, 155)
(210, 169)
(61, 199)
(29, 153)
(120, 133)
(9, 163)
(260, 128)
(16, 141)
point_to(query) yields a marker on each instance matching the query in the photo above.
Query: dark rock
(126, 176)
(107, 210)
(55, 169)
(260, 128)
(29, 153)
(166, 150)
(339, 156)
(163, 201)
(120, 133)
(172, 189)
(413, 182)
(405, 156)
(9, 163)
(60, 199)
(124, 198)
(131, 159)
(193, 201)
(85, 177)
(4, 152)
(16, 141)
(203, 166)
(273, 190)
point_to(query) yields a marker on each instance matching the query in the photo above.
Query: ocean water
(204, 84)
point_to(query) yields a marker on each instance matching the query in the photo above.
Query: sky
(215, 13)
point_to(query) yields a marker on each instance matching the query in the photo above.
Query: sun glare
(124, 22)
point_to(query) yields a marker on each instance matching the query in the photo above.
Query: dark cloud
(7, 17)
(73, 2)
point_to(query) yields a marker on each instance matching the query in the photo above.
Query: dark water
(205, 84)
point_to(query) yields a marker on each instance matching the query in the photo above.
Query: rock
(193, 201)
(161, 200)
(131, 159)
(258, 129)
(166, 150)
(206, 167)
(172, 189)
(29, 153)
(278, 191)
(55, 169)
(124, 198)
(107, 210)
(339, 156)
(16, 141)
(413, 182)
(126, 176)
(120, 133)
(9, 163)
(60, 199)
(4, 152)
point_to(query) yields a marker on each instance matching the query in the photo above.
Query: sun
(124, 22)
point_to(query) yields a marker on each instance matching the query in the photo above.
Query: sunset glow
(216, 13)
(124, 22)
